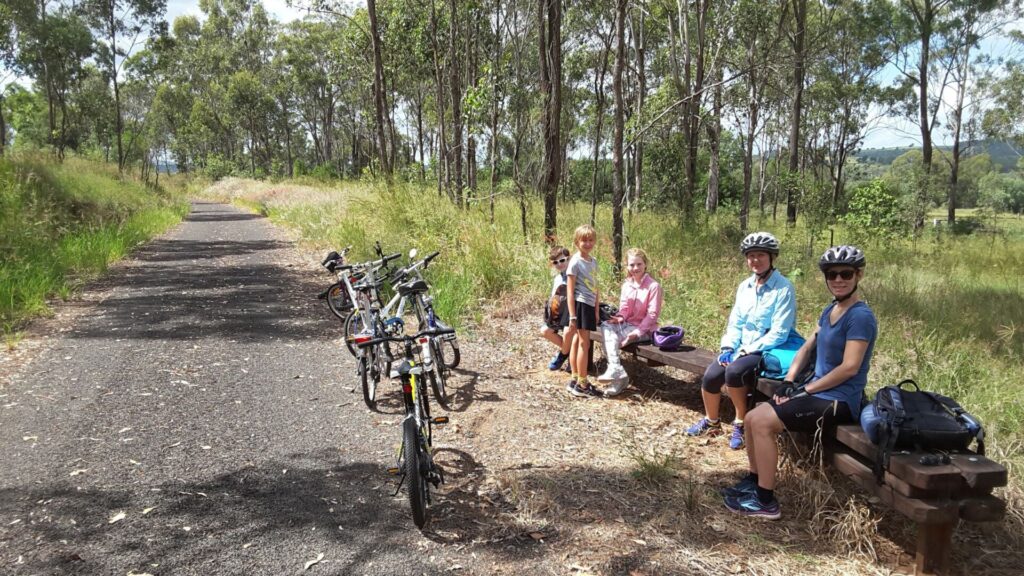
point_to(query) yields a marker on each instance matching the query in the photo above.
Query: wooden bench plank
(923, 511)
(982, 508)
(942, 479)
(979, 473)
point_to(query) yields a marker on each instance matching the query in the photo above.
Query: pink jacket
(640, 304)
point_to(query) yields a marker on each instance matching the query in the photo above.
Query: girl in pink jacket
(639, 307)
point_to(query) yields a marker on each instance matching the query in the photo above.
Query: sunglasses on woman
(559, 260)
(844, 274)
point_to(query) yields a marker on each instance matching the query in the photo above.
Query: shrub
(875, 210)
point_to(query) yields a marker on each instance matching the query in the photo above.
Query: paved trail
(200, 420)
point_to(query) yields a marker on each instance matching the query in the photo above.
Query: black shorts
(586, 317)
(808, 413)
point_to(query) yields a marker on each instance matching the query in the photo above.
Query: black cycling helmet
(841, 256)
(763, 241)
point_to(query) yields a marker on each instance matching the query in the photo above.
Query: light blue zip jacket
(763, 316)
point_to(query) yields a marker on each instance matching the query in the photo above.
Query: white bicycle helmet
(763, 241)
(842, 256)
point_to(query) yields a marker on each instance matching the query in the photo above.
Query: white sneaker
(617, 386)
(612, 374)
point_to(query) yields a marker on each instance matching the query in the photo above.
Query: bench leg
(933, 544)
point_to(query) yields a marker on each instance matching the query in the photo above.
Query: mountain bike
(447, 347)
(415, 457)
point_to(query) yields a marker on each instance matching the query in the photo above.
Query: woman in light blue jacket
(762, 318)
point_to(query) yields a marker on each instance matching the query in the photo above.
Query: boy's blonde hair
(557, 252)
(583, 232)
(638, 253)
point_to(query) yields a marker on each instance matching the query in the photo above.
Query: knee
(712, 384)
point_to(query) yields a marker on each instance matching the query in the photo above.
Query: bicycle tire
(453, 357)
(438, 380)
(415, 473)
(367, 379)
(353, 326)
(338, 301)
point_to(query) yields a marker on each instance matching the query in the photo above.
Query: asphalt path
(201, 419)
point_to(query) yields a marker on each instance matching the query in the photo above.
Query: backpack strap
(889, 432)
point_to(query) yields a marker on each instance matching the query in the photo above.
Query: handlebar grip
(390, 257)
(430, 257)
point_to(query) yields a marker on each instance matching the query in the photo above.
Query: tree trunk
(958, 117)
(549, 20)
(3, 127)
(599, 125)
(714, 142)
(118, 121)
(378, 87)
(797, 39)
(496, 97)
(455, 89)
(618, 184)
(641, 95)
(443, 165)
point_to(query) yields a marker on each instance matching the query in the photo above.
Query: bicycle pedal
(439, 420)
(395, 471)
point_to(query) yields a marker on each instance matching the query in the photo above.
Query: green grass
(950, 308)
(62, 224)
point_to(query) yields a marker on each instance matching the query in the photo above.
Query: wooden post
(933, 544)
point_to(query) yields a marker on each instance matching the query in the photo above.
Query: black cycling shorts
(809, 413)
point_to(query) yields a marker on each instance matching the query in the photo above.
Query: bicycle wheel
(353, 325)
(338, 301)
(369, 376)
(438, 378)
(448, 351)
(415, 471)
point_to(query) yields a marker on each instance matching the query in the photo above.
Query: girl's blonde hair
(638, 253)
(583, 232)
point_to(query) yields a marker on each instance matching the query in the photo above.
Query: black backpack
(920, 420)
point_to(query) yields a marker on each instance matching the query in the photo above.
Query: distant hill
(1001, 152)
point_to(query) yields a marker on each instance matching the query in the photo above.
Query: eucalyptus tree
(920, 31)
(120, 26)
(974, 25)
(618, 181)
(846, 85)
(757, 31)
(54, 46)
(549, 45)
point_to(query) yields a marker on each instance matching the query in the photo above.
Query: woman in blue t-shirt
(843, 341)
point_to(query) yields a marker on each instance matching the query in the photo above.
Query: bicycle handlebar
(403, 338)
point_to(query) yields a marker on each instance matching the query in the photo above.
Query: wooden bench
(934, 497)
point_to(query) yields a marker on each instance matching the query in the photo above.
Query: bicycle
(422, 307)
(371, 362)
(415, 457)
(338, 299)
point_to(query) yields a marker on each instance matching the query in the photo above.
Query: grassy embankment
(62, 224)
(951, 309)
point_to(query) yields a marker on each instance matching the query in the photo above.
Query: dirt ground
(540, 482)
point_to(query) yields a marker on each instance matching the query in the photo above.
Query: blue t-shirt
(858, 323)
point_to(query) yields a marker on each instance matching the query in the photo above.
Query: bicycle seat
(414, 287)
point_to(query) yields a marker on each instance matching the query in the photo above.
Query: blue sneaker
(557, 361)
(736, 438)
(750, 505)
(705, 427)
(745, 486)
